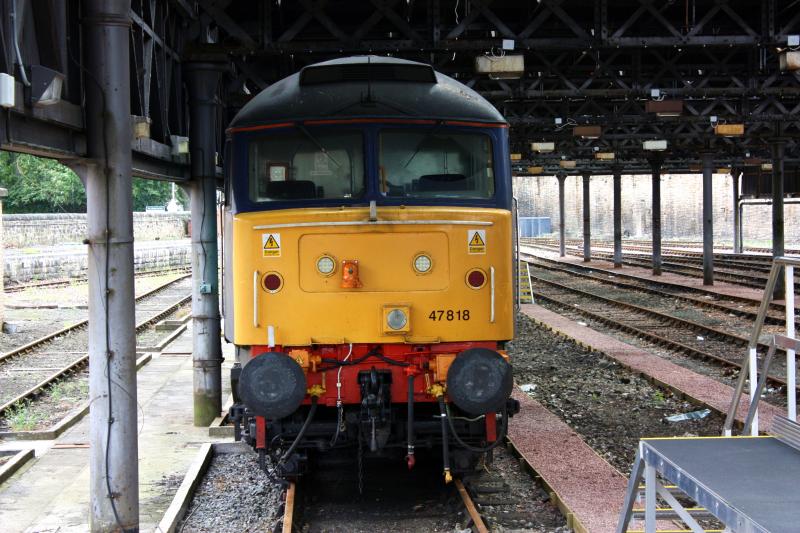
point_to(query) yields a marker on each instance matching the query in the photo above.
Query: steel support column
(778, 148)
(113, 452)
(587, 219)
(737, 213)
(562, 233)
(617, 217)
(708, 219)
(655, 164)
(202, 79)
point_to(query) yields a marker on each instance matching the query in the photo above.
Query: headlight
(422, 264)
(396, 319)
(326, 265)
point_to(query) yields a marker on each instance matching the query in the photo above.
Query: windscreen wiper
(433, 131)
(317, 144)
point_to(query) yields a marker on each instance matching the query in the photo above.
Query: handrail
(256, 274)
(748, 368)
(517, 245)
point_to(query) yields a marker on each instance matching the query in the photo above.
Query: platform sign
(476, 241)
(271, 244)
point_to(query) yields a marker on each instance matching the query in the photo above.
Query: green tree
(39, 185)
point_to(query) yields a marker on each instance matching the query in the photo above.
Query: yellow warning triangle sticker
(271, 243)
(476, 240)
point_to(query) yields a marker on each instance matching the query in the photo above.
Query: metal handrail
(748, 365)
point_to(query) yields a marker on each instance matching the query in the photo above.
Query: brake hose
(492, 446)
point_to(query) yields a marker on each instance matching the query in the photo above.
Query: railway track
(51, 284)
(398, 500)
(29, 369)
(687, 337)
(731, 274)
(687, 247)
(741, 307)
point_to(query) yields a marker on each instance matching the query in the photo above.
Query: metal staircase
(748, 483)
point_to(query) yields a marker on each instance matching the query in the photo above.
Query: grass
(22, 416)
(28, 416)
(659, 397)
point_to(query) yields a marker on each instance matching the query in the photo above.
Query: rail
(750, 360)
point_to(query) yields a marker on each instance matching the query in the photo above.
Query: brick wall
(64, 228)
(681, 208)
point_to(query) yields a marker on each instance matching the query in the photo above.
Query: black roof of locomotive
(366, 87)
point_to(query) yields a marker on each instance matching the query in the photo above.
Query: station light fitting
(664, 108)
(793, 40)
(558, 121)
(543, 147)
(729, 130)
(695, 167)
(535, 170)
(655, 93)
(724, 170)
(587, 132)
(568, 163)
(604, 156)
(46, 86)
(180, 144)
(7, 86)
(766, 166)
(505, 67)
(516, 157)
(789, 61)
(752, 162)
(655, 145)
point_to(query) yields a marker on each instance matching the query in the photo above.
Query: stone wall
(681, 208)
(71, 261)
(22, 231)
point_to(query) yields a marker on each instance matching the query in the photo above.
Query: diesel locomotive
(369, 269)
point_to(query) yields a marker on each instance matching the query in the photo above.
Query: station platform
(587, 489)
(748, 483)
(701, 389)
(720, 288)
(51, 493)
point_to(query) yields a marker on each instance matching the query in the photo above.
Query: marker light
(476, 278)
(396, 319)
(422, 264)
(326, 265)
(272, 282)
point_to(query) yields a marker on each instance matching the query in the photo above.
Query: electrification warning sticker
(271, 244)
(476, 241)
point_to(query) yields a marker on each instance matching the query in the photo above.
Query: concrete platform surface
(705, 390)
(52, 492)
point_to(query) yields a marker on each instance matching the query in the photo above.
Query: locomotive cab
(369, 270)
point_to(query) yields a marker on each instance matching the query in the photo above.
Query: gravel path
(606, 404)
(234, 496)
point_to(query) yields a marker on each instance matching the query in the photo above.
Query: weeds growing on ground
(28, 416)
